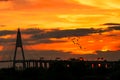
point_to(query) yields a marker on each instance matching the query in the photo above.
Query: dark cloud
(114, 28)
(31, 41)
(5, 41)
(55, 33)
(43, 36)
(67, 33)
(6, 32)
(32, 31)
(26, 31)
(111, 24)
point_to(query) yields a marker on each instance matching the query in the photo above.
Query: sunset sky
(61, 28)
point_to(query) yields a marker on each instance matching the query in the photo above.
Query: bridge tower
(19, 45)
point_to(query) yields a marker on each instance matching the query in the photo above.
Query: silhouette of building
(19, 45)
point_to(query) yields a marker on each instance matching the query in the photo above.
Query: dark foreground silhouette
(77, 71)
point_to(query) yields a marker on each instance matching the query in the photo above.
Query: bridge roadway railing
(66, 63)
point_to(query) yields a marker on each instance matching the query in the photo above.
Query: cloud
(6, 41)
(32, 36)
(24, 33)
(6, 32)
(111, 4)
(36, 36)
(45, 4)
(111, 24)
(53, 33)
(31, 41)
(67, 33)
(32, 31)
(115, 27)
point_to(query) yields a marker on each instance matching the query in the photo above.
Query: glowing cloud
(106, 4)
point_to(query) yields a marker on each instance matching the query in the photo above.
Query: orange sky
(58, 14)
(64, 15)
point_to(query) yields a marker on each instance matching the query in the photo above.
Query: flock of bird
(76, 41)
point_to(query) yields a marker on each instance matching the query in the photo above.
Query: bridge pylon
(19, 45)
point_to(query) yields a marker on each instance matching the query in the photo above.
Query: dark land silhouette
(64, 70)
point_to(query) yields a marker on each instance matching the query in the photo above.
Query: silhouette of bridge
(66, 63)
